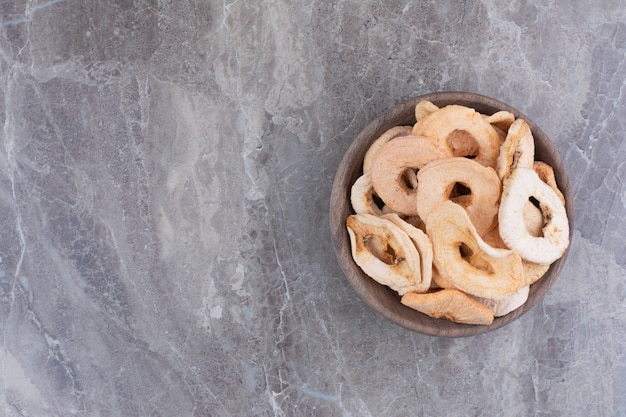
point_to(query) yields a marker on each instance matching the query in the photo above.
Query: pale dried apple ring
(474, 271)
(506, 305)
(449, 304)
(390, 164)
(423, 246)
(447, 122)
(437, 181)
(518, 149)
(518, 188)
(362, 196)
(546, 174)
(384, 252)
(394, 132)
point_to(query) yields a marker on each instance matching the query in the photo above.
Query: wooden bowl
(386, 301)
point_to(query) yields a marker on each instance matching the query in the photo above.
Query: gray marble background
(165, 170)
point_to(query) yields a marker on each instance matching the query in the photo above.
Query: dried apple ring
(464, 131)
(518, 149)
(423, 246)
(449, 304)
(394, 132)
(531, 271)
(393, 160)
(362, 196)
(461, 259)
(437, 181)
(384, 252)
(518, 188)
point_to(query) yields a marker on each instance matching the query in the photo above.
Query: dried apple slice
(437, 181)
(521, 185)
(362, 196)
(384, 252)
(461, 258)
(456, 121)
(518, 149)
(394, 132)
(449, 304)
(423, 246)
(391, 163)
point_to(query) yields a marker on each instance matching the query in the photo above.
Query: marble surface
(165, 170)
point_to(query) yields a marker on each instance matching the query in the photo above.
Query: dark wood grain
(384, 300)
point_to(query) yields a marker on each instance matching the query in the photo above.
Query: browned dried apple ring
(390, 164)
(384, 252)
(423, 246)
(437, 181)
(464, 131)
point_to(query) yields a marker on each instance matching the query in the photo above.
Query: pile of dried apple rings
(455, 215)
